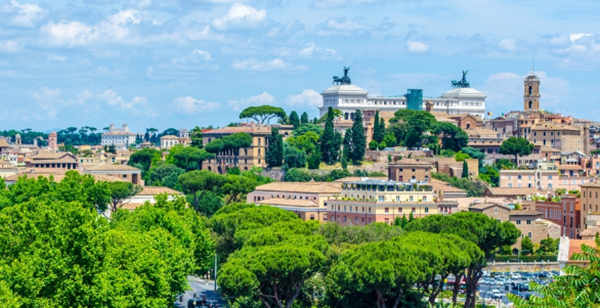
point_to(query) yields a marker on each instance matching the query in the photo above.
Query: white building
(348, 98)
(168, 141)
(119, 137)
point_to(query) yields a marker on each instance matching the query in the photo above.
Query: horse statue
(463, 83)
(344, 80)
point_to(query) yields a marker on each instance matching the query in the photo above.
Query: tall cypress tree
(328, 139)
(359, 140)
(304, 117)
(465, 173)
(294, 119)
(347, 144)
(377, 130)
(274, 155)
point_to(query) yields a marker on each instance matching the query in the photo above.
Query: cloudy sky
(181, 63)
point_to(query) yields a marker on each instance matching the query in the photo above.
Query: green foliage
(390, 140)
(215, 146)
(505, 164)
(304, 118)
(274, 155)
(548, 246)
(526, 246)
(516, 146)
(344, 163)
(188, 158)
(60, 253)
(196, 136)
(447, 153)
(577, 288)
(373, 145)
(465, 171)
(294, 119)
(144, 159)
(474, 153)
(314, 161)
(120, 192)
(293, 157)
(473, 188)
(307, 127)
(300, 175)
(198, 182)
(165, 175)
(358, 141)
(378, 128)
(460, 156)
(307, 142)
(263, 113)
(330, 142)
(453, 137)
(340, 235)
(490, 175)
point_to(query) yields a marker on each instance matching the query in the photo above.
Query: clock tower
(531, 97)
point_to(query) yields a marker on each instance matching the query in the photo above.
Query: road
(201, 287)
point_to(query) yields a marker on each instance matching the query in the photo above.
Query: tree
(233, 142)
(373, 145)
(418, 123)
(120, 192)
(307, 127)
(144, 158)
(304, 118)
(236, 187)
(577, 288)
(487, 233)
(465, 171)
(314, 161)
(198, 182)
(293, 157)
(526, 246)
(263, 113)
(189, 158)
(294, 119)
(328, 143)
(196, 136)
(453, 137)
(359, 141)
(378, 128)
(165, 175)
(347, 144)
(516, 146)
(274, 155)
(548, 246)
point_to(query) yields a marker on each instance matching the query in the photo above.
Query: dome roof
(348, 89)
(464, 92)
(531, 76)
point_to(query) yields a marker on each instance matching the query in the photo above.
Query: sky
(182, 63)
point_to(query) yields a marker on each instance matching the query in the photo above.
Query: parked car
(496, 294)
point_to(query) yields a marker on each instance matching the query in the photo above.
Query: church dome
(346, 89)
(464, 93)
(531, 77)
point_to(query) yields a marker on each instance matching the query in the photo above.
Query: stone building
(566, 213)
(307, 200)
(119, 137)
(244, 158)
(410, 171)
(590, 202)
(59, 160)
(53, 141)
(122, 172)
(531, 97)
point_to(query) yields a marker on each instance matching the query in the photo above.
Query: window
(413, 210)
(509, 177)
(426, 210)
(410, 198)
(381, 198)
(387, 210)
(528, 221)
(495, 210)
(519, 177)
(550, 178)
(529, 234)
(413, 170)
(518, 221)
(509, 185)
(425, 199)
(399, 210)
(398, 198)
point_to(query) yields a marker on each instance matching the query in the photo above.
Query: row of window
(528, 221)
(357, 209)
(544, 133)
(520, 177)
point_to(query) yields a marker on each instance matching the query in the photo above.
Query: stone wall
(522, 266)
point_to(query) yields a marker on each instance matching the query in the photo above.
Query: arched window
(530, 105)
(530, 90)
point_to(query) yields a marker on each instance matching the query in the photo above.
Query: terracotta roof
(570, 167)
(50, 156)
(288, 202)
(107, 167)
(410, 162)
(3, 143)
(240, 129)
(4, 164)
(169, 137)
(550, 126)
(358, 178)
(592, 184)
(480, 131)
(524, 213)
(156, 190)
(294, 187)
(590, 232)
(503, 191)
(65, 160)
(483, 206)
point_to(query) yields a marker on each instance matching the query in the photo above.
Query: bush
(373, 145)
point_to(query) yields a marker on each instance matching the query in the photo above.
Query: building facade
(410, 171)
(119, 137)
(566, 213)
(244, 158)
(348, 98)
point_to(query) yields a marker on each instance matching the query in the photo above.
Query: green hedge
(551, 258)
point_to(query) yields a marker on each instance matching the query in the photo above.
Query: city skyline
(182, 64)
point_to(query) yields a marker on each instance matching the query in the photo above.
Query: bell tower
(531, 97)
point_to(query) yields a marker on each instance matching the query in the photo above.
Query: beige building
(528, 222)
(53, 160)
(307, 200)
(540, 179)
(244, 158)
(407, 170)
(367, 201)
(123, 172)
(147, 195)
(169, 141)
(590, 203)
(7, 169)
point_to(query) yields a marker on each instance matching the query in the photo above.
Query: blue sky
(181, 63)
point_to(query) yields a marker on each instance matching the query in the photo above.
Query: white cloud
(508, 44)
(340, 3)
(187, 105)
(240, 17)
(103, 70)
(417, 47)
(310, 49)
(9, 46)
(256, 65)
(576, 36)
(342, 27)
(113, 99)
(113, 28)
(57, 58)
(196, 56)
(26, 15)
(308, 98)
(46, 99)
(257, 100)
